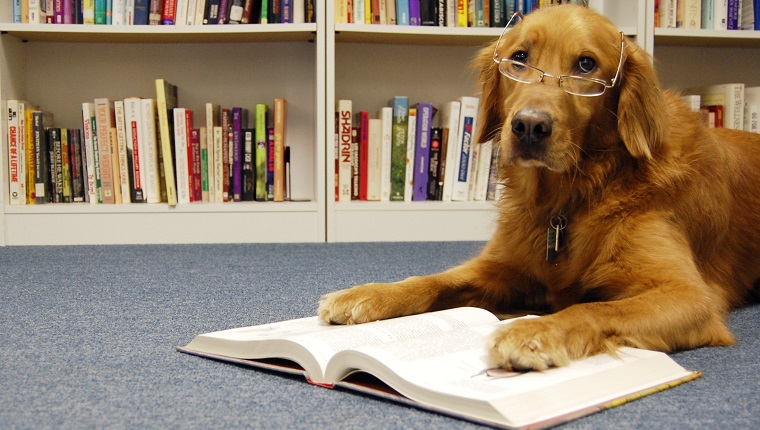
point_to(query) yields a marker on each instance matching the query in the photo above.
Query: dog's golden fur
(663, 233)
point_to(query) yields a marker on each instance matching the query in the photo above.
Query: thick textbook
(435, 361)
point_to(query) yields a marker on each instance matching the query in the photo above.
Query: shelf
(706, 38)
(161, 33)
(423, 206)
(423, 35)
(160, 208)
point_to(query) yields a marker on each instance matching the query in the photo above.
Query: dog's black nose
(532, 126)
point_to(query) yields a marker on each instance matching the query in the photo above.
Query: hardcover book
(279, 149)
(345, 120)
(104, 122)
(400, 106)
(166, 101)
(466, 128)
(261, 152)
(425, 112)
(436, 362)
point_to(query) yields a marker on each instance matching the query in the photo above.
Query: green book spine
(398, 150)
(261, 152)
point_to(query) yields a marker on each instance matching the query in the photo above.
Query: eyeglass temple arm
(506, 27)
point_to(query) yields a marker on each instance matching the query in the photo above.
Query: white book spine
(466, 127)
(411, 141)
(15, 153)
(374, 159)
(218, 137)
(181, 156)
(345, 117)
(149, 154)
(386, 139)
(484, 170)
(121, 147)
(88, 127)
(450, 121)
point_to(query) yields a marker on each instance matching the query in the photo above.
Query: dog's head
(564, 83)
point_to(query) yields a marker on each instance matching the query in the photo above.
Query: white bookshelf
(60, 66)
(369, 64)
(311, 65)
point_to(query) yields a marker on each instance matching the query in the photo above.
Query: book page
(311, 344)
(449, 371)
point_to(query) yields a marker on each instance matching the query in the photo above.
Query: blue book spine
(402, 12)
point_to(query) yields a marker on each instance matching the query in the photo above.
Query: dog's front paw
(360, 304)
(528, 345)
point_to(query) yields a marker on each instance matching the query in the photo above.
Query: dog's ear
(491, 106)
(641, 106)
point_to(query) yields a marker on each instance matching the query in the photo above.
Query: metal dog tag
(555, 238)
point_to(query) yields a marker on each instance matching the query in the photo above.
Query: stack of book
(163, 12)
(145, 150)
(413, 153)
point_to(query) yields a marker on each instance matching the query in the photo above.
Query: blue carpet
(89, 337)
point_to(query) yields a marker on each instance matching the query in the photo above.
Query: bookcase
(311, 65)
(57, 67)
(370, 64)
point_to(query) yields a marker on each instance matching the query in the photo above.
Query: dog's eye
(520, 57)
(586, 64)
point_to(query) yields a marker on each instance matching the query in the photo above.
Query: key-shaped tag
(555, 238)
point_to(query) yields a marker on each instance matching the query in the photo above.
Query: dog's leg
(657, 300)
(485, 281)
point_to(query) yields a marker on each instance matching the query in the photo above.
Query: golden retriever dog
(624, 220)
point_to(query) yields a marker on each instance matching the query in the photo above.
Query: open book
(436, 361)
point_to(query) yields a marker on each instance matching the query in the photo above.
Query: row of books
(164, 12)
(732, 105)
(443, 13)
(708, 14)
(144, 150)
(413, 153)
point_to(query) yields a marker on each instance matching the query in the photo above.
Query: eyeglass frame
(602, 82)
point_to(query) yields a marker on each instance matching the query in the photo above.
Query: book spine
(261, 152)
(212, 120)
(115, 164)
(270, 163)
(195, 161)
(450, 122)
(433, 165)
(467, 123)
(732, 16)
(218, 164)
(411, 140)
(132, 128)
(166, 101)
(90, 152)
(26, 137)
(204, 165)
(55, 172)
(414, 13)
(168, 12)
(181, 155)
(121, 142)
(149, 152)
(374, 159)
(279, 149)
(402, 12)
(345, 112)
(77, 168)
(248, 175)
(398, 154)
(386, 135)
(354, 163)
(17, 178)
(422, 151)
(363, 153)
(103, 122)
(237, 148)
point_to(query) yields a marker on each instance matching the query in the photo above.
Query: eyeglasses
(576, 85)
